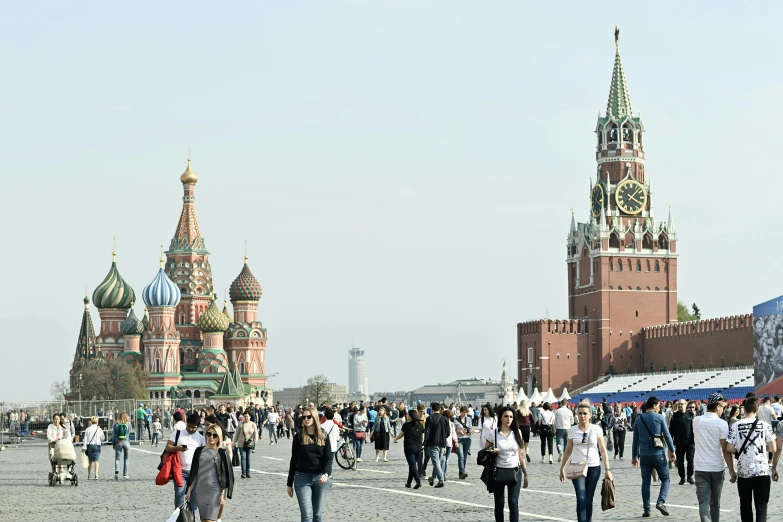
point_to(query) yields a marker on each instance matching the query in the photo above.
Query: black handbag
(506, 476)
(485, 458)
(185, 514)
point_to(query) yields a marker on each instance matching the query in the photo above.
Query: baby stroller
(63, 459)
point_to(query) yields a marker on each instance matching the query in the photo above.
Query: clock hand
(634, 199)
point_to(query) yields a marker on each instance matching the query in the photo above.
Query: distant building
(357, 373)
(292, 397)
(391, 396)
(473, 391)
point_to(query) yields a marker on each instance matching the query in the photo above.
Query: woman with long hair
(488, 423)
(119, 439)
(547, 429)
(413, 431)
(525, 421)
(211, 475)
(359, 421)
(381, 432)
(510, 467)
(464, 427)
(307, 473)
(245, 440)
(586, 442)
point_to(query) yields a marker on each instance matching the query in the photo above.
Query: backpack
(122, 431)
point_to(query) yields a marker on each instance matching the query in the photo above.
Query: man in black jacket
(681, 429)
(436, 429)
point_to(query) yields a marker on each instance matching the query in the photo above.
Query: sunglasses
(212, 435)
(307, 417)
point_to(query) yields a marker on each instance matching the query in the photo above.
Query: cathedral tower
(112, 297)
(622, 264)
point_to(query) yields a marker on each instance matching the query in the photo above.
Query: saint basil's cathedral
(184, 341)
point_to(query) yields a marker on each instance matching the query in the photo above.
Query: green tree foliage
(110, 379)
(317, 391)
(683, 314)
(652, 364)
(674, 366)
(610, 370)
(695, 311)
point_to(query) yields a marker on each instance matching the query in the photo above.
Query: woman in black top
(310, 455)
(413, 432)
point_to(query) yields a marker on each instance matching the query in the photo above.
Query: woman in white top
(359, 425)
(488, 423)
(546, 427)
(93, 437)
(510, 468)
(272, 418)
(585, 440)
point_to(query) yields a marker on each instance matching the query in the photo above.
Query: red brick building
(622, 278)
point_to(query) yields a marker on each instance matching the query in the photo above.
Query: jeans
(462, 453)
(244, 459)
(139, 429)
(618, 437)
(179, 493)
(310, 495)
(513, 499)
(684, 453)
(438, 458)
(122, 447)
(155, 438)
(708, 488)
(413, 456)
(756, 489)
(585, 490)
(331, 462)
(561, 440)
(357, 447)
(658, 463)
(272, 435)
(544, 440)
(445, 460)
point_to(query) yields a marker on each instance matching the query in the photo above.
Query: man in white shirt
(750, 437)
(564, 419)
(186, 441)
(766, 413)
(710, 432)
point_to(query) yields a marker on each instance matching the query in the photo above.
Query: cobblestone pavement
(375, 490)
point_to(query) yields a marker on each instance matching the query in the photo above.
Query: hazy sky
(403, 171)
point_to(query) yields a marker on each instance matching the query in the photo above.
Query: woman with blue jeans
(245, 439)
(359, 426)
(121, 445)
(586, 444)
(510, 467)
(307, 475)
(464, 426)
(649, 426)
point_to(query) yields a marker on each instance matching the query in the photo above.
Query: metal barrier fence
(31, 418)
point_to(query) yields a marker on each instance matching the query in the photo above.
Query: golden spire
(188, 177)
(245, 251)
(114, 249)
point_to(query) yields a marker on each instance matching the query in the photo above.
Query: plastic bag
(85, 460)
(174, 516)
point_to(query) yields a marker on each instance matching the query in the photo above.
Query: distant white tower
(357, 373)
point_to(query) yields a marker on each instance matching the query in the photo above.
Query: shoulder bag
(578, 468)
(656, 440)
(744, 446)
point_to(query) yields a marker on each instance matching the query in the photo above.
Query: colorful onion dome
(161, 291)
(188, 177)
(113, 292)
(245, 287)
(213, 320)
(132, 325)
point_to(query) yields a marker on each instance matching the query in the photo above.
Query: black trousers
(684, 452)
(546, 439)
(755, 490)
(619, 442)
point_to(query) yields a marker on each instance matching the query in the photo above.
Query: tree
(58, 390)
(674, 366)
(652, 364)
(629, 369)
(723, 362)
(683, 315)
(690, 366)
(111, 379)
(695, 312)
(610, 370)
(317, 391)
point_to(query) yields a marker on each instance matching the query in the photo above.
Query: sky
(402, 171)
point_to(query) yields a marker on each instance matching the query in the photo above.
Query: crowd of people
(701, 440)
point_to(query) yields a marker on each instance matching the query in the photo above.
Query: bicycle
(344, 455)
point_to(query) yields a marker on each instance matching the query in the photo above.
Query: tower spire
(187, 237)
(619, 105)
(670, 224)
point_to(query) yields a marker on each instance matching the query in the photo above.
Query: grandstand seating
(733, 383)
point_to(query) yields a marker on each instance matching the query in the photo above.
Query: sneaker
(682, 481)
(359, 460)
(526, 456)
(660, 506)
(550, 460)
(96, 477)
(646, 514)
(417, 486)
(242, 475)
(691, 481)
(441, 485)
(408, 485)
(386, 460)
(126, 477)
(431, 481)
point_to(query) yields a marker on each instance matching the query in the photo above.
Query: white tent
(549, 397)
(521, 396)
(536, 397)
(565, 395)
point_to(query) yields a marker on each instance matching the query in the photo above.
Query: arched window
(619, 287)
(629, 265)
(663, 242)
(657, 289)
(612, 134)
(648, 265)
(638, 266)
(197, 394)
(647, 241)
(657, 266)
(619, 265)
(614, 240)
(188, 393)
(638, 287)
(585, 310)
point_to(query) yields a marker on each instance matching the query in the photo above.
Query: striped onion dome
(113, 292)
(132, 325)
(161, 291)
(245, 287)
(213, 320)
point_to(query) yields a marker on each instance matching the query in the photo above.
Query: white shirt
(708, 431)
(192, 442)
(93, 435)
(778, 408)
(490, 423)
(331, 430)
(766, 414)
(564, 418)
(547, 417)
(272, 417)
(753, 461)
(179, 425)
(580, 450)
(509, 449)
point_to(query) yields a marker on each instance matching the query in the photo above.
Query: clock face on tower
(630, 196)
(598, 199)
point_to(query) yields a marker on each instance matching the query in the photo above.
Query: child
(156, 431)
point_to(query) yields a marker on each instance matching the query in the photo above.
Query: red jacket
(170, 466)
